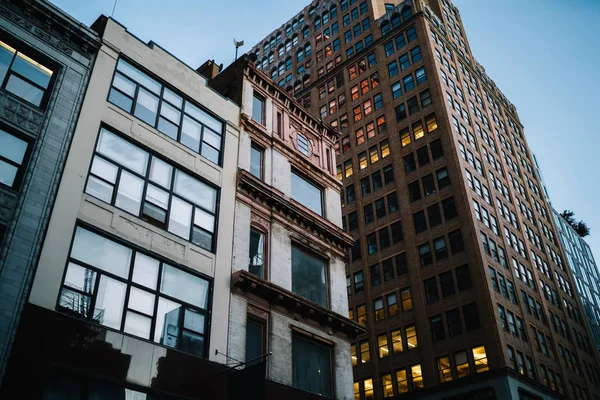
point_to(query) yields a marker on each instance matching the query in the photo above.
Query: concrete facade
(43, 33)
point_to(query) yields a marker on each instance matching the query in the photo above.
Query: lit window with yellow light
(362, 160)
(369, 395)
(353, 355)
(406, 299)
(397, 342)
(378, 309)
(365, 354)
(417, 377)
(431, 123)
(356, 391)
(386, 382)
(392, 304)
(382, 344)
(348, 169)
(360, 136)
(411, 337)
(361, 315)
(462, 364)
(351, 313)
(405, 137)
(418, 131)
(444, 369)
(339, 172)
(374, 154)
(401, 381)
(480, 358)
(385, 148)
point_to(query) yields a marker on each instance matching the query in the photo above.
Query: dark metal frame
(184, 97)
(147, 181)
(21, 168)
(130, 284)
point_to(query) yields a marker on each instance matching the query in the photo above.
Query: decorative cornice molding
(51, 26)
(296, 305)
(294, 212)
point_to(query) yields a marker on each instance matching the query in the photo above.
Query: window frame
(22, 167)
(185, 99)
(146, 182)
(327, 264)
(135, 249)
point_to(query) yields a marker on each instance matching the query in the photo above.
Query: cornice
(294, 212)
(295, 305)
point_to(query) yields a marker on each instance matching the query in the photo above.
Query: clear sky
(541, 53)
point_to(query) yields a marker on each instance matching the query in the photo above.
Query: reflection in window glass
(311, 366)
(309, 277)
(181, 317)
(257, 248)
(190, 203)
(307, 194)
(12, 155)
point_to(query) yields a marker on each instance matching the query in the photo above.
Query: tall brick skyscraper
(457, 272)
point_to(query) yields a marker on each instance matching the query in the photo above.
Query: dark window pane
(471, 316)
(256, 162)
(454, 323)
(311, 366)
(397, 235)
(420, 222)
(308, 277)
(434, 215)
(120, 100)
(375, 275)
(463, 277)
(431, 291)
(437, 328)
(255, 341)
(401, 267)
(146, 107)
(414, 190)
(447, 284)
(456, 241)
(449, 208)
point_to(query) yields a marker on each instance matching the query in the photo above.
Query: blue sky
(541, 54)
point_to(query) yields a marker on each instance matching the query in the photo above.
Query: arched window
(294, 25)
(297, 86)
(306, 33)
(300, 55)
(272, 42)
(325, 17)
(311, 11)
(288, 63)
(271, 57)
(281, 68)
(278, 38)
(385, 28)
(395, 20)
(274, 73)
(288, 30)
(333, 12)
(280, 50)
(406, 12)
(317, 23)
(295, 40)
(307, 50)
(301, 20)
(288, 45)
(266, 48)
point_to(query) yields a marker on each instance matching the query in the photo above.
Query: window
(408, 82)
(350, 194)
(463, 278)
(361, 315)
(178, 118)
(437, 328)
(453, 322)
(119, 164)
(428, 185)
(447, 284)
(13, 158)
(480, 358)
(256, 156)
(376, 181)
(411, 337)
(368, 385)
(365, 354)
(156, 301)
(397, 235)
(388, 174)
(449, 208)
(462, 364)
(442, 178)
(372, 243)
(434, 215)
(417, 377)
(392, 304)
(425, 98)
(378, 309)
(309, 277)
(420, 74)
(368, 213)
(396, 90)
(420, 222)
(414, 190)
(257, 249)
(444, 370)
(456, 241)
(375, 276)
(365, 185)
(406, 299)
(471, 316)
(358, 282)
(311, 366)
(308, 194)
(255, 341)
(24, 76)
(387, 386)
(431, 291)
(302, 144)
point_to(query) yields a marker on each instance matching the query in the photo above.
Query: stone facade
(44, 33)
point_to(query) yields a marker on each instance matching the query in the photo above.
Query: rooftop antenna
(113, 11)
(237, 46)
